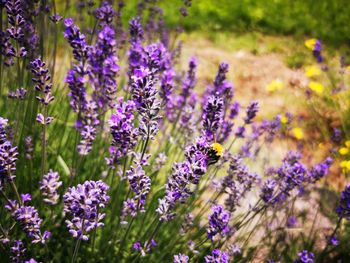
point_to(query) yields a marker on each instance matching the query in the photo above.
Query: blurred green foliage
(324, 19)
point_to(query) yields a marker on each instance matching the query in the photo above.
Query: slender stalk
(43, 145)
(77, 244)
(124, 237)
(76, 249)
(324, 251)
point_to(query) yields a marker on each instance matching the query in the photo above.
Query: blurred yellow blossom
(310, 43)
(298, 133)
(321, 145)
(274, 85)
(284, 119)
(312, 71)
(347, 143)
(316, 87)
(343, 150)
(348, 67)
(345, 164)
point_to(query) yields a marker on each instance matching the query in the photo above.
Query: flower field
(128, 133)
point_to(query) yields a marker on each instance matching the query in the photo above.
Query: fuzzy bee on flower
(215, 152)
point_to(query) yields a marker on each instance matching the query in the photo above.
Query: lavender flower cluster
(83, 205)
(184, 181)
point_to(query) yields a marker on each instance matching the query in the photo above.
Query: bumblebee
(215, 152)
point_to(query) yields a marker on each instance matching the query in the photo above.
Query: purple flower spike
(49, 186)
(212, 116)
(103, 68)
(28, 219)
(8, 156)
(181, 258)
(123, 131)
(105, 13)
(218, 222)
(217, 256)
(17, 251)
(83, 204)
(305, 257)
(343, 210)
(252, 109)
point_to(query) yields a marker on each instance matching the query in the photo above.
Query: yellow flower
(343, 164)
(274, 85)
(316, 87)
(347, 144)
(321, 145)
(310, 43)
(284, 119)
(343, 150)
(298, 133)
(218, 148)
(312, 71)
(348, 67)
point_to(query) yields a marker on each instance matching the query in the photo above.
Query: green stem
(43, 145)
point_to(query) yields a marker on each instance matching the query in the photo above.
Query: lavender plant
(130, 162)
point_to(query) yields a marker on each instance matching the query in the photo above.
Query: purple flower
(290, 176)
(240, 132)
(317, 51)
(129, 208)
(181, 258)
(17, 251)
(76, 39)
(42, 79)
(8, 155)
(140, 184)
(218, 222)
(336, 135)
(56, 18)
(88, 131)
(343, 209)
(135, 52)
(183, 175)
(49, 186)
(148, 245)
(105, 13)
(292, 221)
(188, 83)
(144, 94)
(234, 110)
(212, 116)
(220, 87)
(77, 92)
(237, 183)
(137, 246)
(103, 68)
(83, 204)
(235, 250)
(17, 94)
(333, 240)
(177, 188)
(268, 190)
(251, 111)
(28, 219)
(305, 257)
(123, 131)
(320, 170)
(217, 256)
